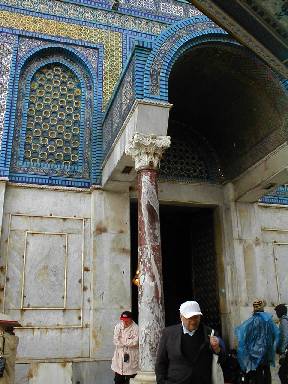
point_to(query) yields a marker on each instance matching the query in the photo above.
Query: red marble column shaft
(150, 299)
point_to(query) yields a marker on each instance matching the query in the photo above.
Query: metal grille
(205, 272)
(53, 118)
(189, 158)
(182, 161)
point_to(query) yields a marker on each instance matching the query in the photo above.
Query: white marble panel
(45, 267)
(52, 339)
(53, 343)
(41, 223)
(113, 271)
(47, 373)
(87, 274)
(42, 252)
(239, 274)
(275, 235)
(2, 196)
(111, 213)
(48, 317)
(251, 272)
(74, 272)
(21, 373)
(145, 117)
(14, 256)
(281, 266)
(200, 193)
(40, 201)
(111, 267)
(272, 217)
(266, 277)
(104, 321)
(249, 225)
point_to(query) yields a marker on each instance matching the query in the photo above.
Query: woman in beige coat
(126, 340)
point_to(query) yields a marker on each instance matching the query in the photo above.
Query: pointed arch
(173, 43)
(87, 169)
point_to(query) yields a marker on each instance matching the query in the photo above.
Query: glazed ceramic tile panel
(7, 43)
(111, 40)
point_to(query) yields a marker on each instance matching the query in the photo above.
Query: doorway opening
(189, 261)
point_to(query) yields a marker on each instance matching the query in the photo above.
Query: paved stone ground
(85, 373)
(274, 372)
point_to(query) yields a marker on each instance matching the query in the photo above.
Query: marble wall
(65, 274)
(78, 242)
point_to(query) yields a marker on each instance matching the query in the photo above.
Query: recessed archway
(232, 100)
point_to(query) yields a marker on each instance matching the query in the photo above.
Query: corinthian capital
(147, 150)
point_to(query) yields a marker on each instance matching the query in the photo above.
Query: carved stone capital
(147, 150)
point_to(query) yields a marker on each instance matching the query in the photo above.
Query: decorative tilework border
(112, 41)
(170, 45)
(33, 179)
(285, 84)
(109, 22)
(6, 144)
(164, 11)
(280, 196)
(152, 9)
(7, 42)
(136, 46)
(119, 108)
(130, 88)
(130, 39)
(274, 200)
(167, 11)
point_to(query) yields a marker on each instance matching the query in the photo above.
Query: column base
(144, 378)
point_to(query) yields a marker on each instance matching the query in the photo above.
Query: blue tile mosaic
(280, 196)
(156, 32)
(91, 124)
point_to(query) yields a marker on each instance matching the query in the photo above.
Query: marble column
(147, 151)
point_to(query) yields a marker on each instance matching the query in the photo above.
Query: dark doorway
(189, 261)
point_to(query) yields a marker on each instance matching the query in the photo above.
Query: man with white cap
(186, 350)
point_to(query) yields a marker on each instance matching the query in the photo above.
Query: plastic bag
(257, 340)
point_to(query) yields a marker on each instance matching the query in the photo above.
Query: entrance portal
(189, 261)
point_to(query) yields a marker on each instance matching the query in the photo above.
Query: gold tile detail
(111, 40)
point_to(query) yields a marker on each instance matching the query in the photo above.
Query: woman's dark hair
(127, 314)
(281, 310)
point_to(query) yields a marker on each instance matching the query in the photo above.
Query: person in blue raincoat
(257, 340)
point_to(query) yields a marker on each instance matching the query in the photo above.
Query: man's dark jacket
(175, 366)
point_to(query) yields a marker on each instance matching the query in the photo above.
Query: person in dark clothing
(281, 312)
(185, 351)
(231, 368)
